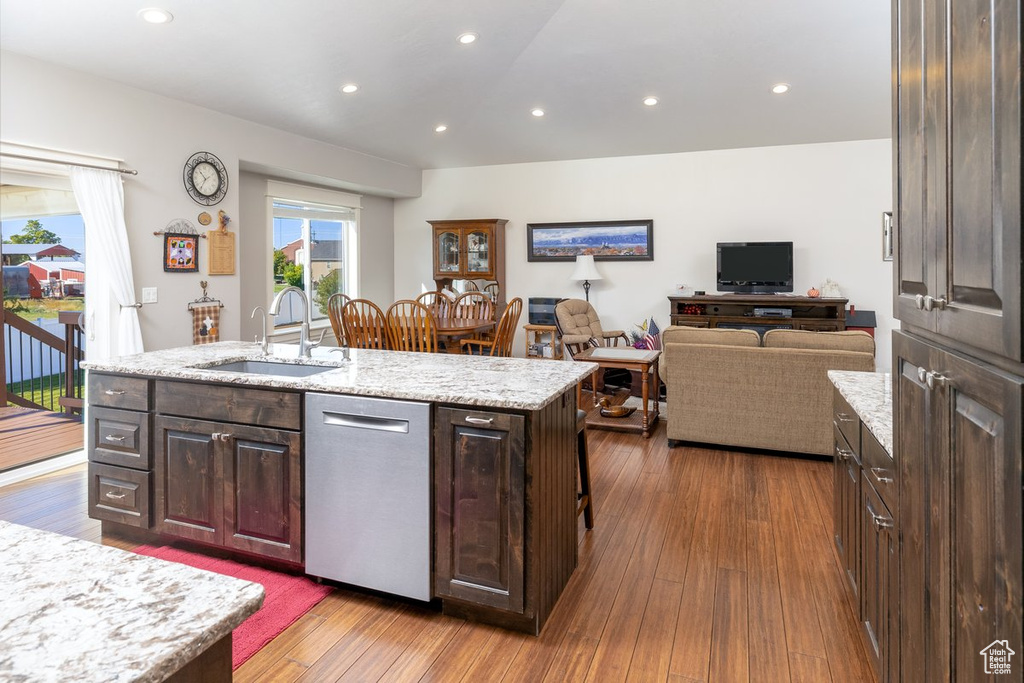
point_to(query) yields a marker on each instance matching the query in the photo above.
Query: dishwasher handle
(380, 424)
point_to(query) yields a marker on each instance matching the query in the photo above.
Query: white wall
(56, 108)
(827, 199)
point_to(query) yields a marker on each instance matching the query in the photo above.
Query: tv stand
(739, 311)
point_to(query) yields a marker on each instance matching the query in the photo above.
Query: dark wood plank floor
(704, 565)
(28, 436)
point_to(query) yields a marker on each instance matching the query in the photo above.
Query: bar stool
(586, 499)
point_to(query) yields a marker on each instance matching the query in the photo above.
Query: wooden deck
(704, 565)
(28, 436)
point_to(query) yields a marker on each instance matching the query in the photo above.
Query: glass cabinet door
(448, 252)
(478, 252)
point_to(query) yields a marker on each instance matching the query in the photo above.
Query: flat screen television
(755, 267)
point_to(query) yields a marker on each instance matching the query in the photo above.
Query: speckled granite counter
(870, 395)
(516, 383)
(71, 610)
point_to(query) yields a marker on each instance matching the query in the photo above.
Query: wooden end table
(643, 361)
(543, 336)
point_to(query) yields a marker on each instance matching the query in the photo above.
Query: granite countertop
(870, 396)
(516, 383)
(72, 610)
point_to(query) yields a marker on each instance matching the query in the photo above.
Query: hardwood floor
(703, 565)
(28, 436)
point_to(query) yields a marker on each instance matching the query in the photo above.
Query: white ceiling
(588, 63)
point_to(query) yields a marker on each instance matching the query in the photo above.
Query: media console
(761, 312)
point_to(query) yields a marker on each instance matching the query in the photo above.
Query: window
(314, 250)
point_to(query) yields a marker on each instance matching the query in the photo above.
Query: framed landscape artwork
(604, 240)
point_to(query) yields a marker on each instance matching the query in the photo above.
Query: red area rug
(287, 598)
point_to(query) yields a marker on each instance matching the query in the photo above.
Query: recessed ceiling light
(349, 89)
(155, 15)
(650, 101)
(538, 112)
(467, 38)
(780, 88)
(440, 129)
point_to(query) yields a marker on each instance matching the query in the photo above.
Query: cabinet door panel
(876, 530)
(919, 429)
(988, 576)
(262, 487)
(914, 248)
(480, 505)
(983, 259)
(189, 500)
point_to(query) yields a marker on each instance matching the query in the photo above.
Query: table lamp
(586, 270)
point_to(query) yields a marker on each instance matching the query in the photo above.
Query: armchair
(578, 323)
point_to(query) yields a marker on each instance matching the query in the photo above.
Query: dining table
(451, 330)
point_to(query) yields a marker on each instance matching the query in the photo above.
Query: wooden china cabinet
(472, 249)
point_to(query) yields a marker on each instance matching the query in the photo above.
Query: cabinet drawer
(119, 494)
(119, 437)
(879, 469)
(242, 405)
(846, 419)
(114, 391)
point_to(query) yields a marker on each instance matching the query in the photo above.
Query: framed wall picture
(181, 252)
(887, 236)
(604, 240)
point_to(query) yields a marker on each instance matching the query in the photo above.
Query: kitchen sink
(263, 367)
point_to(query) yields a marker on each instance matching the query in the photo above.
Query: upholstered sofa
(728, 387)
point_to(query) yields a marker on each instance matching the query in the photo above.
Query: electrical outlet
(149, 295)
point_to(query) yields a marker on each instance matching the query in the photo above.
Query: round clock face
(206, 179)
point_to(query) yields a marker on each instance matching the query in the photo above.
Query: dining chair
(473, 305)
(470, 286)
(365, 325)
(501, 345)
(335, 303)
(492, 289)
(411, 327)
(438, 303)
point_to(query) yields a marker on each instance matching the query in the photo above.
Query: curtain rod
(126, 171)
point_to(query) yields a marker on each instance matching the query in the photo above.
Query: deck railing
(41, 370)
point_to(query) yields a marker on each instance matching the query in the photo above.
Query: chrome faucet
(264, 345)
(305, 345)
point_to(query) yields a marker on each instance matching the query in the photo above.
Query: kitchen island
(72, 610)
(210, 444)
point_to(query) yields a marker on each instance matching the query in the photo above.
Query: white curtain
(100, 197)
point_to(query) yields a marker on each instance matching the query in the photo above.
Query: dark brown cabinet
(480, 498)
(504, 511)
(958, 150)
(958, 427)
(118, 448)
(846, 467)
(235, 486)
(879, 579)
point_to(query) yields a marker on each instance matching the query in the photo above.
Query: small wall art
(181, 252)
(604, 240)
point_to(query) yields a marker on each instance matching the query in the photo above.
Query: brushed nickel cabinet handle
(881, 522)
(115, 439)
(480, 420)
(933, 379)
(843, 453)
(878, 472)
(114, 392)
(225, 437)
(919, 302)
(215, 436)
(922, 375)
(844, 417)
(114, 496)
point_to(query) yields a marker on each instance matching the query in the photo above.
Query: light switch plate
(149, 295)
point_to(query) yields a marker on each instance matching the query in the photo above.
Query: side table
(643, 361)
(545, 340)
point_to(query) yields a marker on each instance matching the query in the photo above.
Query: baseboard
(42, 467)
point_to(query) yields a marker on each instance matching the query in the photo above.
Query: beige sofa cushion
(682, 334)
(853, 340)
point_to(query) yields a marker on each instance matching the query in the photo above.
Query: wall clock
(206, 179)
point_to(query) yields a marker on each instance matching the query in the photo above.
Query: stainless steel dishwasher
(368, 493)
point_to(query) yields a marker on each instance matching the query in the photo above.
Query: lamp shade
(586, 269)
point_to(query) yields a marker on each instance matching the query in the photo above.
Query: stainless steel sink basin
(264, 367)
